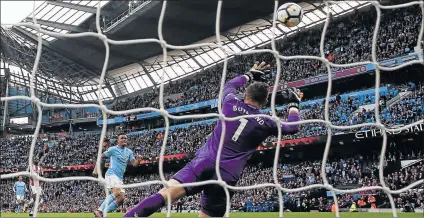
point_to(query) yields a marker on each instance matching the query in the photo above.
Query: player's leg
(17, 206)
(118, 201)
(20, 205)
(31, 210)
(31, 201)
(213, 203)
(26, 205)
(19, 200)
(180, 208)
(109, 199)
(153, 203)
(214, 199)
(114, 199)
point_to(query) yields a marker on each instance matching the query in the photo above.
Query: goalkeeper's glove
(258, 72)
(293, 96)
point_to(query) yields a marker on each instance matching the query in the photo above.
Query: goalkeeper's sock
(147, 207)
(107, 201)
(112, 206)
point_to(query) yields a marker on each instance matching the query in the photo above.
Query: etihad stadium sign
(379, 132)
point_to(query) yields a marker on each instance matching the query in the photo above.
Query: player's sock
(112, 206)
(147, 207)
(107, 201)
(19, 208)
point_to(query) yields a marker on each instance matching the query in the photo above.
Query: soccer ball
(290, 14)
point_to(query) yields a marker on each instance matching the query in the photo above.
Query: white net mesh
(220, 115)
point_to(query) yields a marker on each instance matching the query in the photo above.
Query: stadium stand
(79, 196)
(188, 138)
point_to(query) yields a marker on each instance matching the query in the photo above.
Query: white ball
(290, 14)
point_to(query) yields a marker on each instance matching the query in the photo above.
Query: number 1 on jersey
(243, 123)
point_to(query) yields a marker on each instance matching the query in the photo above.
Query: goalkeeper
(241, 140)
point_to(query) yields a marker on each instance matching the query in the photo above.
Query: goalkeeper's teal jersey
(119, 158)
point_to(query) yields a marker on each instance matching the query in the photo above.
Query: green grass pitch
(193, 215)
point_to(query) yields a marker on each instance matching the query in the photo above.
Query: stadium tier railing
(214, 104)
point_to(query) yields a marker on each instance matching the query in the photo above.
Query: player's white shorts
(114, 181)
(19, 197)
(36, 189)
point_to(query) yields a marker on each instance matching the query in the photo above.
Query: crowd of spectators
(18, 156)
(407, 110)
(347, 41)
(85, 196)
(66, 150)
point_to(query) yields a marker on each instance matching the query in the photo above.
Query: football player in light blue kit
(20, 188)
(119, 156)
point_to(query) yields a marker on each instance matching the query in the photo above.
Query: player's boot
(98, 213)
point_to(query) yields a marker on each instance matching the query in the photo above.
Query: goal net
(322, 58)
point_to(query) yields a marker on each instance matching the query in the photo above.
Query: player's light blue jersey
(20, 188)
(119, 158)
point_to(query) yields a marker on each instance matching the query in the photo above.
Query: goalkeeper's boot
(98, 213)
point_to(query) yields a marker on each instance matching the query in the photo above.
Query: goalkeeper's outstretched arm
(230, 88)
(294, 97)
(256, 73)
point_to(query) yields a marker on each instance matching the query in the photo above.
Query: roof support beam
(227, 35)
(78, 7)
(147, 73)
(57, 50)
(108, 86)
(276, 26)
(195, 61)
(62, 26)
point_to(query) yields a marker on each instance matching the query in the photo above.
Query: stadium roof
(67, 16)
(183, 63)
(54, 16)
